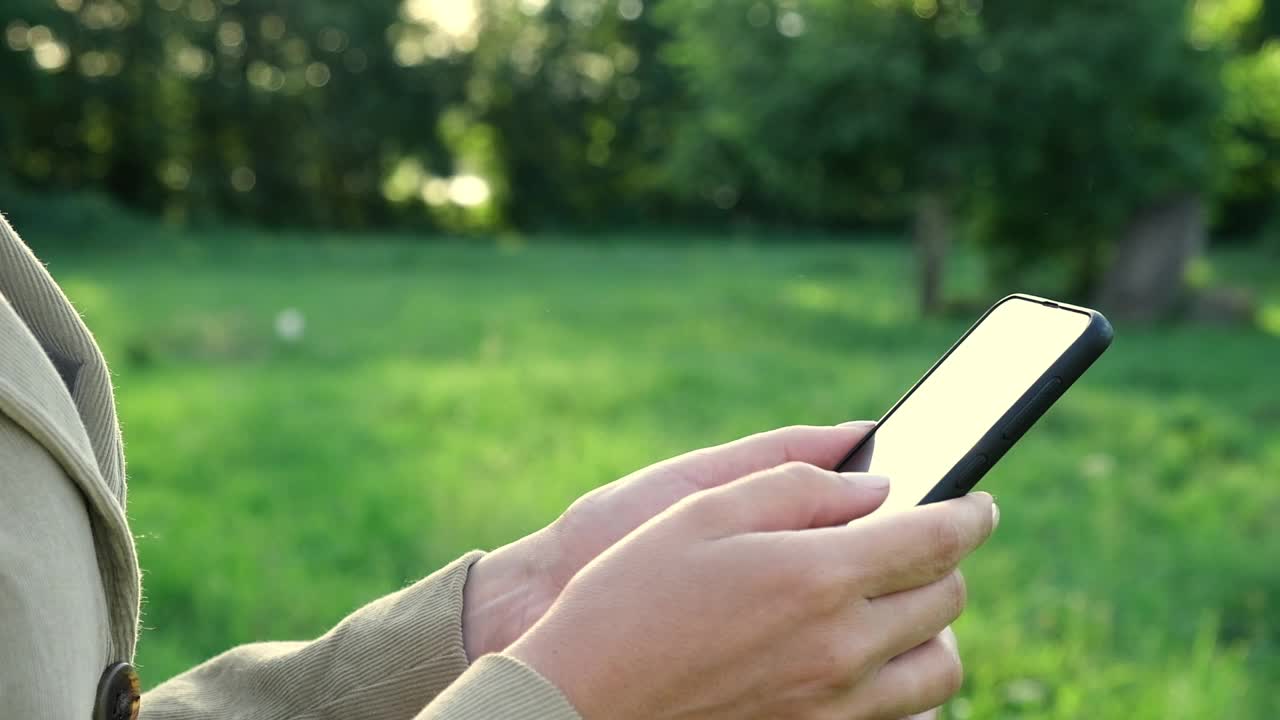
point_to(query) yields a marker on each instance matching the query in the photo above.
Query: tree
(1050, 125)
(833, 111)
(282, 112)
(579, 105)
(1048, 132)
(1247, 178)
(1104, 118)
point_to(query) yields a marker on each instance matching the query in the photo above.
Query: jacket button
(119, 692)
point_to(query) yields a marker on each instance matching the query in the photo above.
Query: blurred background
(384, 281)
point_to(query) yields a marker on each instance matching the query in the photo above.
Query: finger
(922, 678)
(861, 460)
(886, 554)
(815, 445)
(906, 619)
(948, 638)
(793, 496)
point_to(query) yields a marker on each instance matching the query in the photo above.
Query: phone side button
(965, 478)
(1042, 399)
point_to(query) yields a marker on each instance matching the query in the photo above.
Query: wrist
(557, 653)
(507, 590)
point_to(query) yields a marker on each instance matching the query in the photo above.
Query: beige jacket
(69, 580)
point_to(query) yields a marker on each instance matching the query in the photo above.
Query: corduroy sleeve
(499, 686)
(387, 660)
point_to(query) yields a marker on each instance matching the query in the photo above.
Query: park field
(443, 397)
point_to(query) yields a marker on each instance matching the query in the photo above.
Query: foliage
(1249, 130)
(1054, 122)
(272, 110)
(580, 106)
(1107, 109)
(466, 393)
(834, 110)
(1048, 124)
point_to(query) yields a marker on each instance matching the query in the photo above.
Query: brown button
(119, 692)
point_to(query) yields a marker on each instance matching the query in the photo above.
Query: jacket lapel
(54, 383)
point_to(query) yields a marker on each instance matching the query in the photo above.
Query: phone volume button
(965, 479)
(1036, 405)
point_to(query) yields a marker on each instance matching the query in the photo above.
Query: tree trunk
(932, 236)
(1148, 271)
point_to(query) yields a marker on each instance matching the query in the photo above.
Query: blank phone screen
(921, 440)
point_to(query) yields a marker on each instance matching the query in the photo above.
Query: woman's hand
(509, 589)
(755, 600)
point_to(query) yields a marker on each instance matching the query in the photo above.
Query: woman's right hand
(756, 600)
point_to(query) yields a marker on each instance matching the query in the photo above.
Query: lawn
(455, 396)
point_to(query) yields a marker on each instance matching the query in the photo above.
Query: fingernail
(995, 515)
(858, 424)
(875, 482)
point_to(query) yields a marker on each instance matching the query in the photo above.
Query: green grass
(458, 396)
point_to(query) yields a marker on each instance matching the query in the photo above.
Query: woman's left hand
(509, 589)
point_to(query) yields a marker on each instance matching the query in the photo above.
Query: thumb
(793, 496)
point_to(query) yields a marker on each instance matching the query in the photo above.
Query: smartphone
(941, 437)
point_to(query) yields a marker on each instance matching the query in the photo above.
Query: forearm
(507, 590)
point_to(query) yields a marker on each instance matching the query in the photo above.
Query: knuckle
(852, 660)
(826, 662)
(822, 588)
(710, 508)
(828, 711)
(833, 663)
(929, 680)
(910, 692)
(788, 432)
(948, 542)
(805, 484)
(952, 676)
(859, 662)
(790, 438)
(955, 593)
(797, 470)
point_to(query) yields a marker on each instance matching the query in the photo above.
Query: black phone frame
(1023, 414)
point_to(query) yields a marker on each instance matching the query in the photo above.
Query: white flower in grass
(291, 325)
(1097, 465)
